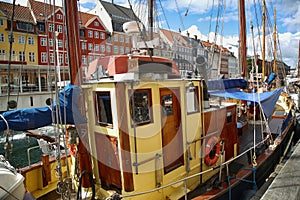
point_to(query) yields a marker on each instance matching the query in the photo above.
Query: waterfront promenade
(286, 185)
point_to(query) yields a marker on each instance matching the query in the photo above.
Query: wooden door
(108, 161)
(172, 142)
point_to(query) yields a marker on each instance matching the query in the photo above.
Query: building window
(51, 42)
(83, 46)
(90, 46)
(83, 60)
(51, 58)
(127, 39)
(24, 26)
(141, 106)
(121, 50)
(127, 50)
(121, 38)
(103, 108)
(192, 99)
(59, 28)
(116, 39)
(90, 34)
(1, 22)
(31, 57)
(58, 16)
(96, 47)
(51, 28)
(30, 40)
(21, 40)
(13, 56)
(60, 43)
(102, 48)
(43, 41)
(108, 49)
(102, 35)
(116, 49)
(1, 37)
(61, 59)
(96, 33)
(41, 27)
(90, 59)
(2, 54)
(66, 58)
(44, 57)
(96, 23)
(13, 38)
(22, 56)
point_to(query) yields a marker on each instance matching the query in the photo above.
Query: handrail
(158, 155)
(194, 175)
(35, 147)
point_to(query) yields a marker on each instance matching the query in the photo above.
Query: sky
(217, 20)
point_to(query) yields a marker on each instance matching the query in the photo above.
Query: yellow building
(23, 52)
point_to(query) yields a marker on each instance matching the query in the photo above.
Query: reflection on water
(18, 156)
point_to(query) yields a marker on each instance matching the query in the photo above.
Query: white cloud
(288, 44)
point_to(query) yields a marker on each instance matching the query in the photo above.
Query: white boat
(11, 182)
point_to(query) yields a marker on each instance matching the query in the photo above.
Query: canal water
(17, 155)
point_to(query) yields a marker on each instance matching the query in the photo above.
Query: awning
(267, 99)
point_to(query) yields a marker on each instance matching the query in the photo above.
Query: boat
(137, 129)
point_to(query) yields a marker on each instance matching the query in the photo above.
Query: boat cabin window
(229, 117)
(192, 100)
(103, 109)
(141, 107)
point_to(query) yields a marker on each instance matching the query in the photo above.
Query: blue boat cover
(267, 99)
(224, 84)
(32, 118)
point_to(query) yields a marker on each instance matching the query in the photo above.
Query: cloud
(288, 44)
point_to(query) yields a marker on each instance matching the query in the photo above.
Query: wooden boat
(144, 132)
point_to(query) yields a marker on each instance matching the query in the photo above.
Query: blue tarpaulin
(224, 84)
(32, 118)
(267, 99)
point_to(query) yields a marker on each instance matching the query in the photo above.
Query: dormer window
(25, 26)
(96, 23)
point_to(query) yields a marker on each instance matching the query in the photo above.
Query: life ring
(212, 151)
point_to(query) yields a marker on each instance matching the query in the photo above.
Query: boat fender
(212, 151)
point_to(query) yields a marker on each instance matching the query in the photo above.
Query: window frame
(196, 100)
(150, 108)
(97, 94)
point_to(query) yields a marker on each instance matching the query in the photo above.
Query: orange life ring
(212, 151)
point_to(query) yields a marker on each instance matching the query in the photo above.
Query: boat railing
(184, 180)
(35, 147)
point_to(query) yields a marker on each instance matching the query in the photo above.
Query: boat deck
(286, 184)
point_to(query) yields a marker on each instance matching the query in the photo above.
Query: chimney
(196, 38)
(112, 1)
(187, 33)
(179, 30)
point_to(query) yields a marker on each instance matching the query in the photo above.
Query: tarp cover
(224, 84)
(32, 118)
(267, 99)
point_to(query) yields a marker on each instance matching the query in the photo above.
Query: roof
(208, 44)
(119, 13)
(170, 36)
(86, 18)
(21, 13)
(42, 10)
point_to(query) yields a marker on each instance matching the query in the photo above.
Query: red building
(52, 38)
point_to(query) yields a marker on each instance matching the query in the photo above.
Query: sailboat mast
(71, 13)
(242, 47)
(150, 19)
(263, 38)
(275, 44)
(299, 61)
(73, 41)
